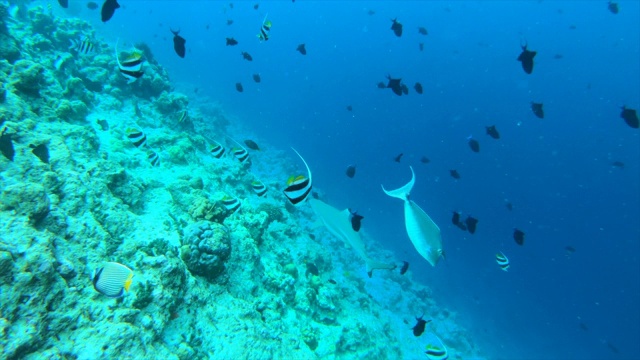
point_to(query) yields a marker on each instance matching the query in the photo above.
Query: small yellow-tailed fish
(112, 280)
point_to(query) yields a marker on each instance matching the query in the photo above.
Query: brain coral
(205, 248)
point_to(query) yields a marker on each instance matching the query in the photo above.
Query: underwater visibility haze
(314, 179)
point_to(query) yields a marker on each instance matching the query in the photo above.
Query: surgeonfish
(423, 232)
(404, 268)
(418, 88)
(252, 145)
(108, 9)
(493, 132)
(420, 326)
(256, 78)
(395, 85)
(265, 29)
(231, 42)
(112, 280)
(302, 49)
(351, 171)
(298, 188)
(338, 223)
(259, 188)
(217, 150)
(178, 43)
(526, 58)
(230, 203)
(537, 110)
(137, 137)
(473, 144)
(41, 152)
(6, 145)
(83, 46)
(518, 236)
(613, 7)
(630, 116)
(239, 87)
(356, 221)
(64, 3)
(502, 261)
(246, 56)
(153, 158)
(396, 27)
(454, 174)
(435, 349)
(131, 68)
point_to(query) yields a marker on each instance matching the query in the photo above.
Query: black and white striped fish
(265, 29)
(112, 280)
(137, 137)
(130, 68)
(259, 188)
(217, 150)
(230, 203)
(298, 188)
(153, 158)
(436, 349)
(184, 116)
(83, 46)
(240, 153)
(502, 261)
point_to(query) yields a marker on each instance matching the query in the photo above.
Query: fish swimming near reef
(396, 27)
(217, 150)
(246, 56)
(537, 110)
(230, 203)
(239, 152)
(423, 31)
(351, 171)
(154, 158)
(232, 42)
(104, 125)
(112, 280)
(398, 157)
(395, 85)
(257, 78)
(404, 268)
(630, 116)
(613, 7)
(239, 87)
(312, 269)
(92, 5)
(454, 174)
(64, 3)
(298, 188)
(252, 145)
(130, 68)
(420, 326)
(178, 43)
(83, 46)
(41, 152)
(473, 144)
(265, 29)
(339, 224)
(493, 132)
(418, 88)
(526, 58)
(302, 49)
(502, 261)
(404, 88)
(423, 232)
(381, 85)
(435, 349)
(108, 9)
(356, 221)
(259, 188)
(137, 137)
(6, 145)
(471, 224)
(184, 116)
(518, 236)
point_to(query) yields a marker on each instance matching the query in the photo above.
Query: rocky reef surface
(208, 282)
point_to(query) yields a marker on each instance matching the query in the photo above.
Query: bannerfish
(474, 144)
(356, 221)
(108, 9)
(137, 137)
(526, 58)
(259, 188)
(425, 160)
(618, 164)
(454, 174)
(518, 236)
(312, 269)
(537, 110)
(130, 68)
(217, 150)
(184, 116)
(153, 157)
(240, 153)
(420, 326)
(91, 5)
(246, 56)
(230, 203)
(252, 145)
(422, 31)
(493, 132)
(398, 157)
(471, 224)
(302, 49)
(418, 87)
(232, 42)
(104, 125)
(404, 268)
(502, 261)
(435, 349)
(83, 46)
(396, 27)
(256, 78)
(265, 29)
(64, 3)
(630, 116)
(612, 6)
(423, 232)
(404, 88)
(381, 85)
(239, 87)
(6, 145)
(395, 85)
(351, 171)
(178, 43)
(298, 188)
(112, 280)
(41, 151)
(349, 108)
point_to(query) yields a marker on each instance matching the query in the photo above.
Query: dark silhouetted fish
(104, 125)
(64, 3)
(474, 144)
(256, 6)
(420, 326)
(246, 56)
(404, 268)
(232, 42)
(257, 78)
(382, 85)
(518, 236)
(229, 22)
(618, 164)
(351, 171)
(418, 87)
(421, 46)
(6, 145)
(41, 151)
(239, 87)
(425, 160)
(332, 281)
(302, 49)
(398, 157)
(356, 221)
(395, 85)
(509, 206)
(471, 224)
(454, 174)
(422, 31)
(312, 269)
(570, 249)
(108, 9)
(630, 117)
(252, 145)
(537, 110)
(405, 89)
(493, 132)
(349, 108)
(612, 6)
(396, 27)
(371, 12)
(526, 58)
(178, 43)
(91, 5)
(455, 219)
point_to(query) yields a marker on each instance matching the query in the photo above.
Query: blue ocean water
(557, 171)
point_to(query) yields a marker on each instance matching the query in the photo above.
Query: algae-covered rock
(26, 199)
(171, 103)
(28, 77)
(204, 209)
(206, 247)
(6, 267)
(74, 110)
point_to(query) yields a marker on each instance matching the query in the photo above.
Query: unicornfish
(423, 232)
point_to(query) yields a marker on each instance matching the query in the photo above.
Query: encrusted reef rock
(26, 199)
(205, 248)
(28, 77)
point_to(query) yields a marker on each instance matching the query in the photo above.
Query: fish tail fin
(377, 265)
(74, 44)
(403, 192)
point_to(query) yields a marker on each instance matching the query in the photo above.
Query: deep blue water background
(557, 171)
